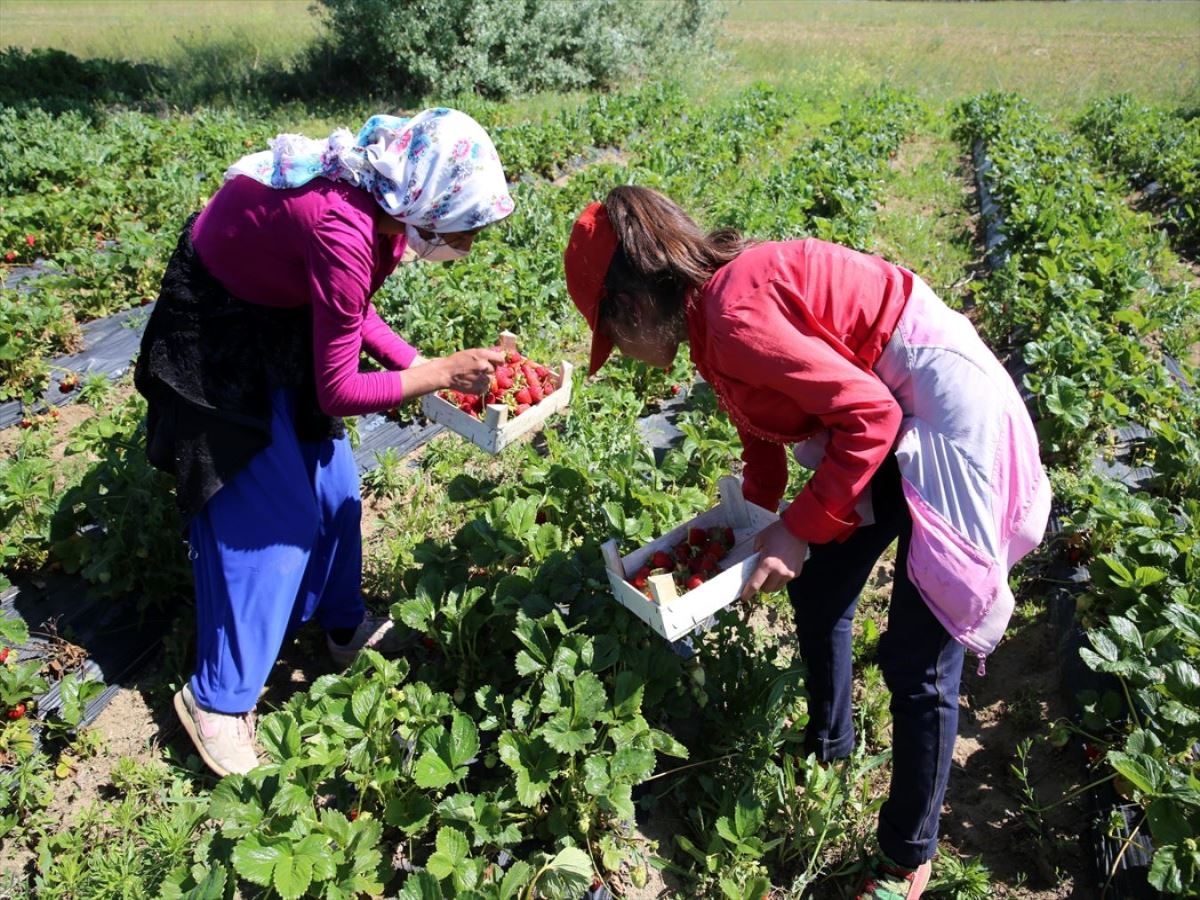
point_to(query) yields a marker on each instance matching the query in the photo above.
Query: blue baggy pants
(276, 546)
(921, 664)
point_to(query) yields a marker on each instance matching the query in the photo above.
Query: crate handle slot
(508, 342)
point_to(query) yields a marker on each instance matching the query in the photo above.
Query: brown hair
(661, 255)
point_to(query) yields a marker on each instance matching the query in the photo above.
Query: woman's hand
(468, 371)
(781, 560)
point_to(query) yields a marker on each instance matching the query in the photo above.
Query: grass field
(1061, 55)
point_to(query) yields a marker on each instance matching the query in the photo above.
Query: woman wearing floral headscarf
(249, 360)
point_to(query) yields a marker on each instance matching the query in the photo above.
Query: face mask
(436, 250)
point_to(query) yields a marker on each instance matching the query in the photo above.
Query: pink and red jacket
(810, 343)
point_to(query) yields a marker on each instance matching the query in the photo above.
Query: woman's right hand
(470, 371)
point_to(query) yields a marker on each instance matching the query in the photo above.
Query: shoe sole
(189, 725)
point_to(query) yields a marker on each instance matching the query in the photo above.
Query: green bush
(498, 48)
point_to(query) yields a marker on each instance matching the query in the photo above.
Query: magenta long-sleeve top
(316, 246)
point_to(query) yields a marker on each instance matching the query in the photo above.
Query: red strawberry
(641, 578)
(696, 564)
(675, 389)
(662, 560)
(429, 642)
(29, 239)
(17, 712)
(10, 256)
(694, 582)
(524, 397)
(697, 537)
(548, 386)
(522, 408)
(541, 372)
(504, 377)
(715, 550)
(682, 553)
(26, 423)
(4, 654)
(513, 358)
(533, 384)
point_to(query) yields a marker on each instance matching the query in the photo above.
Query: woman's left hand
(782, 558)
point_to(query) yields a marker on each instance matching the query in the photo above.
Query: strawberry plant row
(1158, 151)
(1075, 294)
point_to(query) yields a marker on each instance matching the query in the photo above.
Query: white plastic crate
(670, 613)
(498, 429)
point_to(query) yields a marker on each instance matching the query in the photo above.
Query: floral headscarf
(438, 170)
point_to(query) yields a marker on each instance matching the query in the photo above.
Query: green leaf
(595, 775)
(280, 735)
(1183, 681)
(538, 650)
(747, 816)
(293, 874)
(432, 772)
(1168, 822)
(628, 688)
(1142, 772)
(210, 887)
(1164, 872)
(565, 876)
(418, 613)
(451, 852)
(534, 763)
(409, 812)
(233, 803)
(563, 737)
(631, 764)
(421, 886)
(464, 739)
(1126, 631)
(363, 702)
(291, 800)
(255, 861)
(515, 879)
(589, 698)
(666, 744)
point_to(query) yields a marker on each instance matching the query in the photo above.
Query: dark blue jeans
(921, 664)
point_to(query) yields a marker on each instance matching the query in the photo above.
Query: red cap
(588, 255)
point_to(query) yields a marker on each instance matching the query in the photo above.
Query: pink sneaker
(377, 633)
(225, 742)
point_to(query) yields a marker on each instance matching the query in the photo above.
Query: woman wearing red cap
(915, 432)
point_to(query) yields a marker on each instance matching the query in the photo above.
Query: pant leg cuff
(829, 749)
(901, 850)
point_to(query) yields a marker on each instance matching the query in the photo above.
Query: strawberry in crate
(691, 562)
(518, 384)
